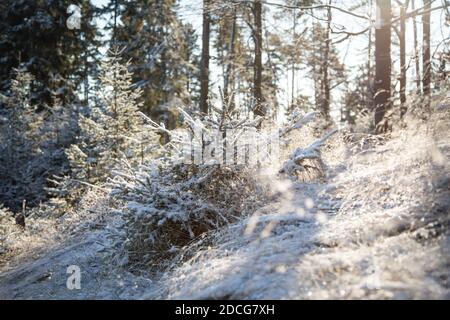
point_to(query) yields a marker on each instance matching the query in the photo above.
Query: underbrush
(378, 229)
(44, 229)
(170, 205)
(167, 208)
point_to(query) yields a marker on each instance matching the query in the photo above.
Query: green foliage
(20, 144)
(35, 34)
(160, 52)
(113, 130)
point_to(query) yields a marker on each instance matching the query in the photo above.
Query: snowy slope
(376, 227)
(91, 241)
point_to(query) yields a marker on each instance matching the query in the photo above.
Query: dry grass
(45, 230)
(167, 212)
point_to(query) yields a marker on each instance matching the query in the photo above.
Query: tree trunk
(116, 13)
(382, 60)
(188, 78)
(229, 69)
(316, 71)
(402, 60)
(416, 49)
(369, 95)
(426, 54)
(86, 78)
(257, 94)
(326, 81)
(293, 57)
(204, 67)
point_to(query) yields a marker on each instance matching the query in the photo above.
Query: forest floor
(376, 227)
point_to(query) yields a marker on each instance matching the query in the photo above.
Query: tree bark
(402, 60)
(86, 78)
(369, 95)
(257, 94)
(382, 60)
(204, 67)
(116, 13)
(293, 57)
(317, 68)
(229, 69)
(326, 81)
(416, 50)
(426, 53)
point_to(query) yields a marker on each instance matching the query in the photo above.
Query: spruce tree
(113, 130)
(20, 144)
(155, 42)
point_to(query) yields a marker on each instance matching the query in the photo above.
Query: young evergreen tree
(114, 129)
(191, 68)
(154, 40)
(20, 144)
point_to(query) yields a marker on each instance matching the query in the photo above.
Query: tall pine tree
(35, 34)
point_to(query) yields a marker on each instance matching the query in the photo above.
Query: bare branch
(319, 7)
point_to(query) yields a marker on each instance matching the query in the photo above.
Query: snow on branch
(297, 162)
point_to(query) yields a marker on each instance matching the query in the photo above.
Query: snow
(295, 163)
(90, 240)
(375, 227)
(372, 233)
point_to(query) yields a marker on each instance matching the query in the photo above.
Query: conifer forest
(224, 150)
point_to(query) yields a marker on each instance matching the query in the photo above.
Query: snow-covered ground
(376, 227)
(90, 240)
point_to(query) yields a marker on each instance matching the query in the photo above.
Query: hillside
(376, 226)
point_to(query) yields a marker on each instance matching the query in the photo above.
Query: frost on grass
(170, 204)
(377, 229)
(307, 162)
(374, 226)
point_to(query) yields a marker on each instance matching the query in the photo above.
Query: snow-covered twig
(312, 152)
